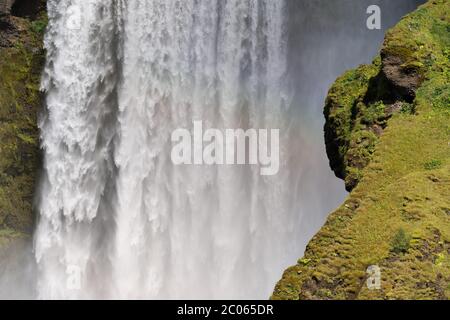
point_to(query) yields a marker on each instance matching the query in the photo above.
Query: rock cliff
(22, 57)
(387, 134)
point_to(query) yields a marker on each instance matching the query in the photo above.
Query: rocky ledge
(387, 135)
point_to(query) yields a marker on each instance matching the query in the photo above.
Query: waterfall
(113, 207)
(117, 218)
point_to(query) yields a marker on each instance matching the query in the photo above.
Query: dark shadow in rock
(26, 8)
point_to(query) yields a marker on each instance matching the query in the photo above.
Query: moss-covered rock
(387, 135)
(352, 125)
(22, 57)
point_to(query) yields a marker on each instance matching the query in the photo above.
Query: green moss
(345, 111)
(20, 100)
(363, 99)
(375, 113)
(408, 108)
(404, 185)
(304, 261)
(433, 164)
(400, 243)
(38, 26)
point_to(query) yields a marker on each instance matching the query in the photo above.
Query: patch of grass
(400, 243)
(304, 261)
(408, 108)
(440, 259)
(374, 114)
(433, 165)
(39, 25)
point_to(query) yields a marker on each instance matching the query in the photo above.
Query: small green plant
(374, 113)
(440, 258)
(447, 53)
(433, 165)
(400, 243)
(408, 108)
(39, 26)
(304, 261)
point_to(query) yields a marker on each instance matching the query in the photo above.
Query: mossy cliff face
(21, 61)
(388, 136)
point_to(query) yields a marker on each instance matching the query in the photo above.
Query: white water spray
(113, 206)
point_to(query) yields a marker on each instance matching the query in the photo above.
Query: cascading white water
(78, 133)
(112, 203)
(120, 77)
(184, 231)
